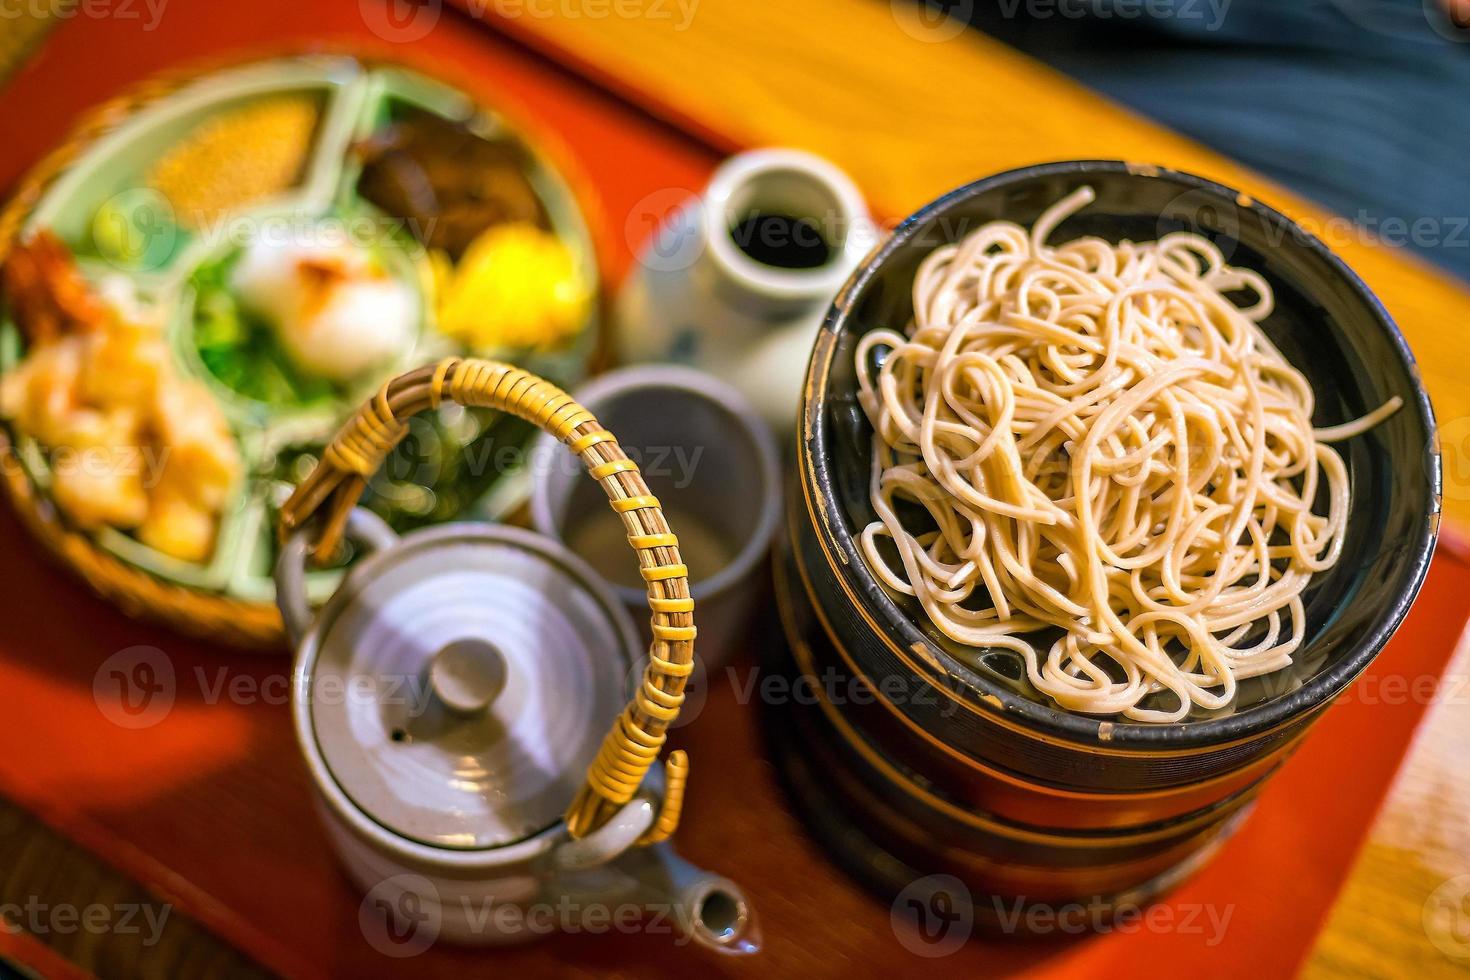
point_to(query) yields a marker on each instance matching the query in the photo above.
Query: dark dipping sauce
(782, 241)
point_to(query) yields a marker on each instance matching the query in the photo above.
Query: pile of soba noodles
(1118, 467)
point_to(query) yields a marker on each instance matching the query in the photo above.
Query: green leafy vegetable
(241, 350)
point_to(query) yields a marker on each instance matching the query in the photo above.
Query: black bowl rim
(1048, 720)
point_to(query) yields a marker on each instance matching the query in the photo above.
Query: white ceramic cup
(711, 461)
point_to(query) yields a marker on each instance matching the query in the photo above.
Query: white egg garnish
(359, 326)
(336, 315)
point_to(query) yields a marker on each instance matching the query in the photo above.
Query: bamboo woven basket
(139, 593)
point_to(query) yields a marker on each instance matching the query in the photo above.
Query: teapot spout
(604, 868)
(708, 909)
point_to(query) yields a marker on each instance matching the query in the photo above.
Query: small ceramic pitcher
(702, 294)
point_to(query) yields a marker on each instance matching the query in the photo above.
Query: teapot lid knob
(466, 675)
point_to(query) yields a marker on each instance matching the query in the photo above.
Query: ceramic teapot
(465, 680)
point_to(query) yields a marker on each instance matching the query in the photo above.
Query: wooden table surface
(854, 80)
(912, 106)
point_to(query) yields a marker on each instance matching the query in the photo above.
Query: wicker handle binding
(631, 748)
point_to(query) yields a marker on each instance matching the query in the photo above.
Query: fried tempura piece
(42, 391)
(200, 470)
(202, 464)
(96, 474)
(178, 527)
(97, 389)
(124, 366)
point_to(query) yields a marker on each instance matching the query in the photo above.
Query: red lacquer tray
(209, 808)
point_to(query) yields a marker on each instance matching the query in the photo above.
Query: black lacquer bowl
(964, 740)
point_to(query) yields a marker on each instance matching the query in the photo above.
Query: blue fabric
(1362, 105)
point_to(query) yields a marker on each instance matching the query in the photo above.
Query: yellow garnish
(516, 286)
(237, 158)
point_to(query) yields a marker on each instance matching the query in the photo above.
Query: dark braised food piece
(446, 181)
(48, 296)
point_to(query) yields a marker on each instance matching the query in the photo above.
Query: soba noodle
(1109, 448)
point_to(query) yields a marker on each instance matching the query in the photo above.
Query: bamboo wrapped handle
(634, 743)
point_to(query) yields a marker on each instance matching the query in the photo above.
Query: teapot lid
(461, 683)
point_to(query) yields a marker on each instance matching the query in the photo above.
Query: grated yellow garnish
(237, 158)
(516, 286)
